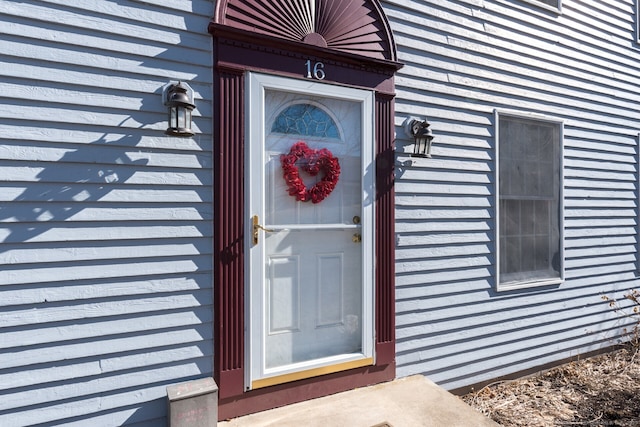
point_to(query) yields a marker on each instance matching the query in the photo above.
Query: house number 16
(315, 70)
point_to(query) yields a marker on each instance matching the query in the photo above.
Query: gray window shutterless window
(553, 5)
(637, 21)
(529, 201)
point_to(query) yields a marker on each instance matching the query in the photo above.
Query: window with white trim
(529, 201)
(637, 20)
(638, 200)
(553, 5)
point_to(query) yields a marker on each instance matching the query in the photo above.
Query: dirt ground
(600, 391)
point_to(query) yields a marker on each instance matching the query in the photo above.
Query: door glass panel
(307, 120)
(313, 274)
(320, 123)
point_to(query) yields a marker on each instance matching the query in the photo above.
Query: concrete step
(407, 402)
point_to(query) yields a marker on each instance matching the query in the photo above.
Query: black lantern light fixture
(422, 135)
(180, 108)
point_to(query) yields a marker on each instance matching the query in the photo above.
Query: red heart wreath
(313, 161)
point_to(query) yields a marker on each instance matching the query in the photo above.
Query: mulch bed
(600, 391)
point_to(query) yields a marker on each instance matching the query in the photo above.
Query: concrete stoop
(407, 402)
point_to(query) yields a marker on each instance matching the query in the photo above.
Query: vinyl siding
(463, 60)
(105, 222)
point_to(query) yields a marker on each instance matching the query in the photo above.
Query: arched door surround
(334, 42)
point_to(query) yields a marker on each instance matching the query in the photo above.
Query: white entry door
(310, 287)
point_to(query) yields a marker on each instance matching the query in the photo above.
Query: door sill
(309, 373)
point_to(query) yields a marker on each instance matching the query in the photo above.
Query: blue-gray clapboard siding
(105, 222)
(463, 60)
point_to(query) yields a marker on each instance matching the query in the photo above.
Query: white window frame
(636, 36)
(638, 200)
(535, 282)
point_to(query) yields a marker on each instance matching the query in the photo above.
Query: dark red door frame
(235, 53)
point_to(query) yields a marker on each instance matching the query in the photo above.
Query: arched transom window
(306, 120)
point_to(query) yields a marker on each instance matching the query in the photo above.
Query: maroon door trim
(385, 231)
(236, 52)
(228, 231)
(354, 27)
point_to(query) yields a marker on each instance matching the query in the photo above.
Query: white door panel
(307, 321)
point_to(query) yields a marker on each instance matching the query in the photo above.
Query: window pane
(530, 178)
(527, 253)
(543, 219)
(546, 187)
(306, 120)
(513, 257)
(512, 217)
(527, 219)
(553, 3)
(541, 253)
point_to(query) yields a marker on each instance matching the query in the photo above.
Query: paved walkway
(408, 402)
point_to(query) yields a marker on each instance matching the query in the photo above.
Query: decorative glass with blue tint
(307, 120)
